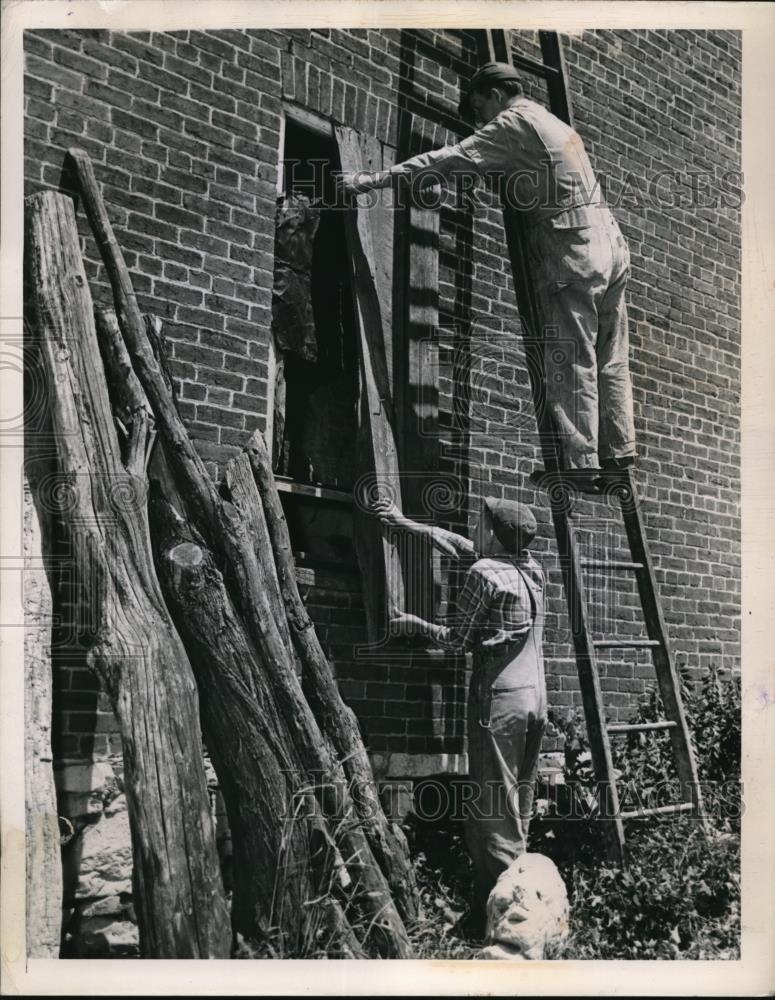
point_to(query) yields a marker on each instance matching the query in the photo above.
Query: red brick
(43, 69)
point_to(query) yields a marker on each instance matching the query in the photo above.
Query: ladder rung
(626, 643)
(639, 727)
(610, 564)
(574, 479)
(679, 807)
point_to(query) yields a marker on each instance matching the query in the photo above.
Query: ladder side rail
(664, 663)
(589, 681)
(667, 678)
(557, 78)
(494, 45)
(586, 663)
(555, 74)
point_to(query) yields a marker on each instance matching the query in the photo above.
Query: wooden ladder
(619, 484)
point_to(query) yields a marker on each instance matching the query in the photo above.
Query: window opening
(312, 321)
(316, 354)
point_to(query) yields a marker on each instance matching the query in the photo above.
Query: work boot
(617, 464)
(583, 480)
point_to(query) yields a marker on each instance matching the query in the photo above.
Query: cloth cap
(489, 75)
(513, 523)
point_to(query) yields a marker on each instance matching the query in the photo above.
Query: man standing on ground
(500, 616)
(578, 257)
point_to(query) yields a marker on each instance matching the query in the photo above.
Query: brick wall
(184, 130)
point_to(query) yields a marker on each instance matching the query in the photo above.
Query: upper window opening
(312, 321)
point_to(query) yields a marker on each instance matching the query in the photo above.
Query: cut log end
(186, 556)
(186, 561)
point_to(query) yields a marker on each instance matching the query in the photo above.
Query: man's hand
(447, 542)
(451, 544)
(391, 516)
(505, 636)
(403, 623)
(386, 511)
(349, 184)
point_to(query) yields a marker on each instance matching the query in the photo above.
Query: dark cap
(513, 523)
(489, 75)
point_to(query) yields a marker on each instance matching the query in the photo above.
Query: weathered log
(261, 605)
(251, 752)
(126, 395)
(259, 775)
(243, 493)
(132, 326)
(336, 720)
(224, 530)
(134, 649)
(44, 863)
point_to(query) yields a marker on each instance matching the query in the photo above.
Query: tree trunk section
(261, 608)
(336, 720)
(44, 863)
(134, 648)
(259, 774)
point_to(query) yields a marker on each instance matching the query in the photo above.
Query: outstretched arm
(410, 625)
(448, 542)
(490, 148)
(434, 165)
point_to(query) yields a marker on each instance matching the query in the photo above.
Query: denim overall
(506, 721)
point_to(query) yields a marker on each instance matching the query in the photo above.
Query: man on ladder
(578, 257)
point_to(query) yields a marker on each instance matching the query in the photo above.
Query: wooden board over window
(372, 286)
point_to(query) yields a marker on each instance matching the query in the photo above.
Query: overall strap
(485, 690)
(533, 612)
(530, 594)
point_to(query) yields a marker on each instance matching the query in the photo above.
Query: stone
(80, 805)
(103, 936)
(105, 858)
(104, 924)
(397, 799)
(420, 765)
(116, 806)
(108, 906)
(84, 788)
(80, 777)
(527, 911)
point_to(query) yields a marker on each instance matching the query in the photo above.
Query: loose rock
(527, 911)
(105, 858)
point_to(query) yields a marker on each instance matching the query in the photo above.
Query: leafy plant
(679, 896)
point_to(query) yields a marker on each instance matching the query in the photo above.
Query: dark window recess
(312, 322)
(321, 531)
(316, 387)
